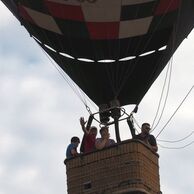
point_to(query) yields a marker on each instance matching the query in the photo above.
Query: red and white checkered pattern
(102, 19)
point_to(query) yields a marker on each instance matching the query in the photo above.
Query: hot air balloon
(112, 49)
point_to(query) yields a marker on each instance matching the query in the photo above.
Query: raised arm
(86, 129)
(82, 123)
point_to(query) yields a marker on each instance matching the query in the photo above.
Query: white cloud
(26, 176)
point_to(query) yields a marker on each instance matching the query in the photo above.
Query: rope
(176, 141)
(64, 76)
(161, 97)
(175, 111)
(176, 148)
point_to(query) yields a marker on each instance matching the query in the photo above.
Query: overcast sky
(40, 113)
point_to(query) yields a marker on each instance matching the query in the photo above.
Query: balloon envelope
(112, 49)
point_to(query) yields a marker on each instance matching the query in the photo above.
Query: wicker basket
(128, 167)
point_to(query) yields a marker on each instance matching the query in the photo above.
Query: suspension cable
(133, 119)
(175, 111)
(161, 96)
(177, 148)
(64, 76)
(176, 141)
(169, 70)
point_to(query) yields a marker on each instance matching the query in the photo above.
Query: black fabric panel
(37, 5)
(146, 70)
(141, 44)
(73, 29)
(163, 22)
(130, 12)
(185, 22)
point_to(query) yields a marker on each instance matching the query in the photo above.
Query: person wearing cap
(144, 136)
(105, 140)
(89, 138)
(72, 148)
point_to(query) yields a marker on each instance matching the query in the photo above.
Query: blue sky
(40, 113)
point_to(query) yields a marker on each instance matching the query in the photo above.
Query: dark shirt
(151, 139)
